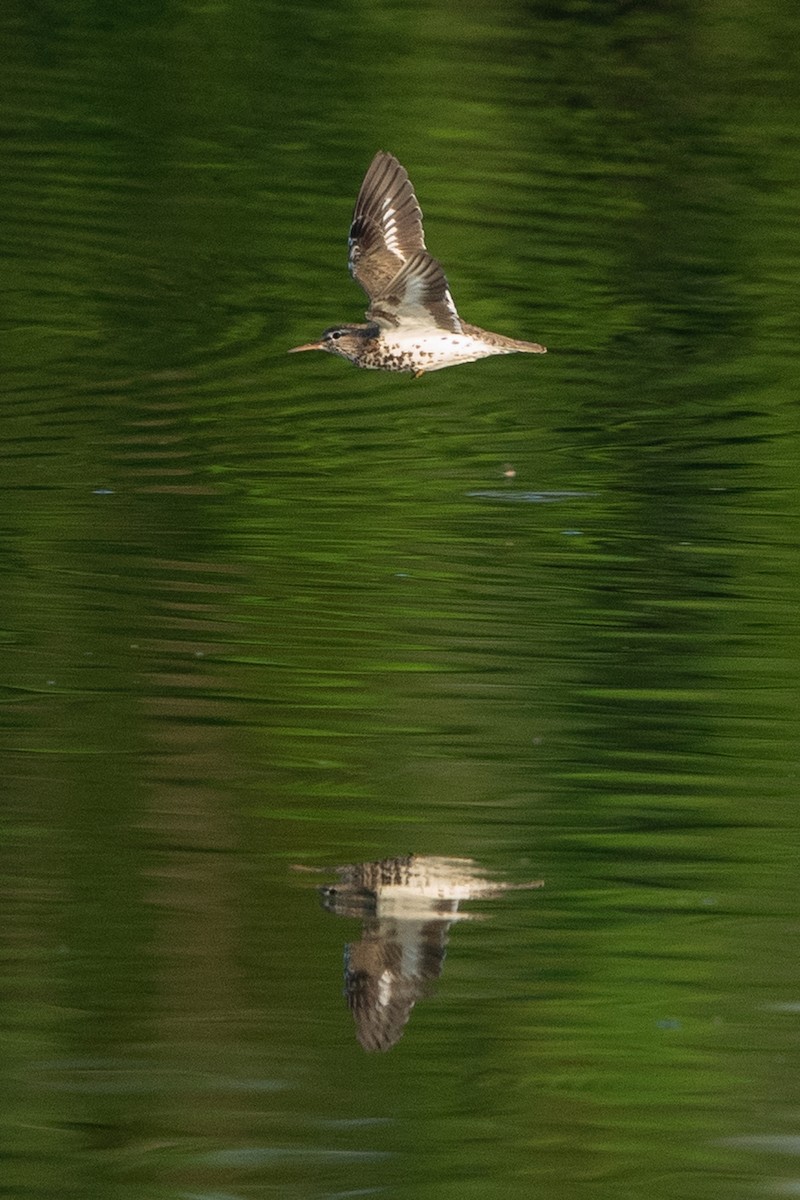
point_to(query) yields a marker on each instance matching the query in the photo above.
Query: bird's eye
(337, 333)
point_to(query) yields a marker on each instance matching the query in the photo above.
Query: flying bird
(412, 322)
(406, 906)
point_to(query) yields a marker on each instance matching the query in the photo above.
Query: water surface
(263, 612)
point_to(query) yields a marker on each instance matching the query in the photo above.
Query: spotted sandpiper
(412, 324)
(406, 906)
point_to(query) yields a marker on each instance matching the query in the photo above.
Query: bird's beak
(307, 346)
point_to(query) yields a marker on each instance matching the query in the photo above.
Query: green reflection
(255, 615)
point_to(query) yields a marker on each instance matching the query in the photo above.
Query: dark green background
(260, 611)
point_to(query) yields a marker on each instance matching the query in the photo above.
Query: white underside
(432, 353)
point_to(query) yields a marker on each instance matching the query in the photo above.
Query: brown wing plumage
(387, 224)
(416, 298)
(405, 284)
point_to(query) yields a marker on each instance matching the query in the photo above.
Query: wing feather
(387, 225)
(416, 298)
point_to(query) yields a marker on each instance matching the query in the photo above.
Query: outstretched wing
(387, 225)
(405, 285)
(416, 298)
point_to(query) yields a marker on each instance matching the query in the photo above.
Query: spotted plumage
(406, 906)
(412, 322)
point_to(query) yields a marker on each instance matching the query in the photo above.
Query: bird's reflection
(407, 906)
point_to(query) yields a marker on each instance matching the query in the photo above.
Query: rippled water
(266, 616)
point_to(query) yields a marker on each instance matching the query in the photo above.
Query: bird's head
(345, 340)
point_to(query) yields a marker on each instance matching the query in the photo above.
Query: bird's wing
(417, 297)
(387, 225)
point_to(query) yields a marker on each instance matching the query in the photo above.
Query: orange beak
(307, 346)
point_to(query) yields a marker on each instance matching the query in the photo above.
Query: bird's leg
(418, 374)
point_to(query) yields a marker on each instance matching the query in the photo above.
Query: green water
(261, 612)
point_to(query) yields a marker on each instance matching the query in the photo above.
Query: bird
(406, 905)
(412, 322)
